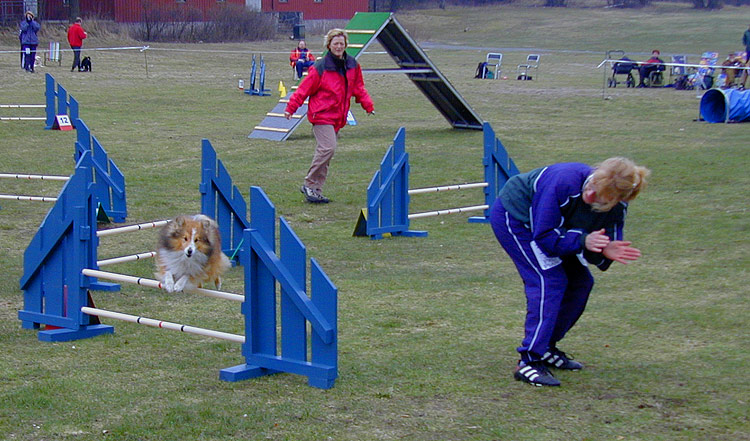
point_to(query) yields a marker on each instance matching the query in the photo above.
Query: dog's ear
(180, 220)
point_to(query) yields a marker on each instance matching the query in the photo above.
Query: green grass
(427, 327)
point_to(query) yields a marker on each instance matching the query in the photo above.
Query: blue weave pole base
(64, 334)
(479, 220)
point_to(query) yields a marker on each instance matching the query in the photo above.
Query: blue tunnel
(719, 105)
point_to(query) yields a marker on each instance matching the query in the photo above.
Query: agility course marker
(289, 327)
(27, 198)
(133, 280)
(388, 193)
(125, 259)
(163, 324)
(33, 177)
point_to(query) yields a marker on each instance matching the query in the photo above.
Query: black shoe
(535, 373)
(313, 196)
(558, 359)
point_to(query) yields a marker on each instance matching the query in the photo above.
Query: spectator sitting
(733, 60)
(653, 64)
(301, 58)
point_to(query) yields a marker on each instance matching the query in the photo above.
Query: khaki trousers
(325, 136)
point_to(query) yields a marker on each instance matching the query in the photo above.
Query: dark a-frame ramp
(363, 29)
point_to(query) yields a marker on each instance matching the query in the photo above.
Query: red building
(125, 10)
(317, 9)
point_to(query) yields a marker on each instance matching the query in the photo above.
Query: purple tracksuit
(541, 221)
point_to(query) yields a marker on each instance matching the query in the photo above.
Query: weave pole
(123, 259)
(27, 198)
(163, 324)
(156, 284)
(33, 177)
(129, 228)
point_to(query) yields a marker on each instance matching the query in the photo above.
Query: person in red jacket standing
(76, 35)
(330, 84)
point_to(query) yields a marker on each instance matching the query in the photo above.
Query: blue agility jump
(260, 90)
(388, 193)
(57, 102)
(60, 268)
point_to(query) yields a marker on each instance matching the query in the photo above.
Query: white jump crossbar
(448, 187)
(39, 177)
(123, 259)
(22, 118)
(448, 211)
(22, 106)
(162, 324)
(129, 228)
(156, 284)
(27, 198)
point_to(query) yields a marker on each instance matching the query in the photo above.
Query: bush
(186, 24)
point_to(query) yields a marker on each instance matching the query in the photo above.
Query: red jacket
(76, 34)
(330, 93)
(296, 54)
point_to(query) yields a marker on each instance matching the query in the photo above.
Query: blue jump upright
(388, 192)
(223, 201)
(59, 261)
(58, 102)
(54, 288)
(109, 187)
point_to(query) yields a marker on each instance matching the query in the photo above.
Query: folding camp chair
(494, 60)
(523, 70)
(678, 71)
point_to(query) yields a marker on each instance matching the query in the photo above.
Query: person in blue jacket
(552, 222)
(29, 40)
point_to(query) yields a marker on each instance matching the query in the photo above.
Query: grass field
(427, 327)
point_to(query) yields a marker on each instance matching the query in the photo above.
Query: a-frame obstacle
(60, 267)
(388, 194)
(363, 29)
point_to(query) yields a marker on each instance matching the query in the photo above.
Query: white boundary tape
(156, 284)
(162, 324)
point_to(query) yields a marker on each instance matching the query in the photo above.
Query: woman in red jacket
(330, 84)
(76, 34)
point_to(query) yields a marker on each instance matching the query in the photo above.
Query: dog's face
(189, 235)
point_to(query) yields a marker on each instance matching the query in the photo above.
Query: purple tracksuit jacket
(541, 221)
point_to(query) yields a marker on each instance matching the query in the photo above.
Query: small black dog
(85, 65)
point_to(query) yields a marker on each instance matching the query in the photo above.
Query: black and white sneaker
(558, 359)
(536, 373)
(313, 196)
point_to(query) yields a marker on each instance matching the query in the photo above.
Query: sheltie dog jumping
(189, 254)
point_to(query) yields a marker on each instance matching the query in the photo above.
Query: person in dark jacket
(653, 64)
(552, 222)
(29, 40)
(76, 35)
(330, 85)
(746, 42)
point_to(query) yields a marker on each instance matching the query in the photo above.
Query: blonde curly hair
(617, 179)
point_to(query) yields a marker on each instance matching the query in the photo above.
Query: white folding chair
(494, 60)
(523, 71)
